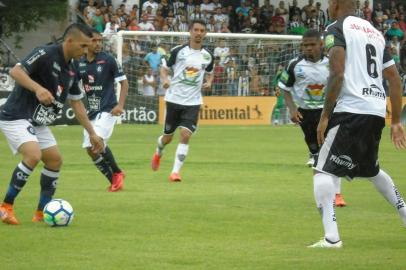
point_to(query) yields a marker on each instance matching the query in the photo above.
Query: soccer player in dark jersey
(303, 82)
(354, 114)
(98, 72)
(44, 80)
(183, 96)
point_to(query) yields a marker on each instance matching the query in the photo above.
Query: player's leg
(172, 119)
(104, 126)
(309, 124)
(384, 184)
(188, 125)
(22, 139)
(339, 200)
(98, 160)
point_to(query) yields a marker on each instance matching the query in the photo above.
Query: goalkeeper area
(250, 208)
(245, 65)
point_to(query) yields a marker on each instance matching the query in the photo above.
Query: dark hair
(74, 28)
(199, 21)
(94, 31)
(312, 34)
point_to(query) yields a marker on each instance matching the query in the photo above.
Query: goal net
(245, 65)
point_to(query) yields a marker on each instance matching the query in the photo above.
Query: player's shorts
(351, 146)
(103, 125)
(21, 131)
(309, 124)
(177, 115)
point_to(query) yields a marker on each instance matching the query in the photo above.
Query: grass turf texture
(246, 202)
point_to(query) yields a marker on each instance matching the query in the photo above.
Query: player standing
(98, 72)
(354, 114)
(183, 96)
(303, 82)
(44, 80)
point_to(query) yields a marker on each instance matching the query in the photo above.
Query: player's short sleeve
(35, 61)
(116, 69)
(387, 59)
(287, 78)
(334, 36)
(74, 92)
(172, 57)
(210, 66)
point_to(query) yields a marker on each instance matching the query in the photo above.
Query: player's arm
(81, 116)
(119, 108)
(295, 115)
(208, 80)
(164, 74)
(395, 91)
(333, 88)
(22, 78)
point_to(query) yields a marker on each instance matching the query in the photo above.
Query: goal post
(245, 65)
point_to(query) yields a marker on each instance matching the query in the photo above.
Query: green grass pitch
(246, 202)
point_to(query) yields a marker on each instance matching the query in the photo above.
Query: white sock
(384, 184)
(180, 156)
(337, 184)
(160, 147)
(324, 195)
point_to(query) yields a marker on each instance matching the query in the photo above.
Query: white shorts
(21, 131)
(103, 125)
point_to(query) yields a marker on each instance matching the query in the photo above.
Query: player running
(183, 96)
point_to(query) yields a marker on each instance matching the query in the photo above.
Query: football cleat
(7, 214)
(175, 177)
(156, 159)
(340, 200)
(117, 182)
(38, 216)
(323, 243)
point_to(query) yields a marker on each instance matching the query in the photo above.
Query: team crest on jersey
(99, 68)
(206, 57)
(90, 78)
(190, 75)
(329, 41)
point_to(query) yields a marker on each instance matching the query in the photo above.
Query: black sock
(108, 156)
(103, 167)
(17, 182)
(49, 179)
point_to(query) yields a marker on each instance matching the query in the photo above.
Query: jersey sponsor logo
(370, 31)
(343, 160)
(329, 41)
(315, 93)
(89, 88)
(374, 91)
(300, 73)
(37, 55)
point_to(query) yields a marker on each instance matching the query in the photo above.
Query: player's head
(338, 8)
(76, 40)
(197, 31)
(97, 42)
(312, 45)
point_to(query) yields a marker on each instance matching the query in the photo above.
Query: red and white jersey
(365, 59)
(189, 67)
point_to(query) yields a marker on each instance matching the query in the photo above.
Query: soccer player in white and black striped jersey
(354, 114)
(190, 63)
(303, 82)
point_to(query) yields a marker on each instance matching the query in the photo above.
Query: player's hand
(398, 135)
(321, 130)
(206, 85)
(117, 110)
(97, 144)
(296, 117)
(166, 83)
(44, 96)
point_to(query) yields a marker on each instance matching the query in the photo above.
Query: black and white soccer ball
(58, 212)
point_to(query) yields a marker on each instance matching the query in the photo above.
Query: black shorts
(309, 124)
(177, 115)
(351, 146)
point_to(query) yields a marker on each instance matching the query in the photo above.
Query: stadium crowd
(245, 16)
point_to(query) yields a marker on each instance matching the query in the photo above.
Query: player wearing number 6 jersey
(44, 80)
(354, 114)
(303, 82)
(190, 63)
(98, 72)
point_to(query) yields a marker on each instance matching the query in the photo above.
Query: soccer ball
(58, 212)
